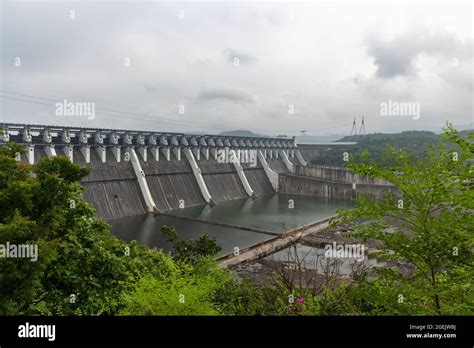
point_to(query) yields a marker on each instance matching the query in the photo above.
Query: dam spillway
(194, 182)
(171, 182)
(133, 172)
(111, 187)
(221, 180)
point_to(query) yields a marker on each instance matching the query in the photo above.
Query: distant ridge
(243, 133)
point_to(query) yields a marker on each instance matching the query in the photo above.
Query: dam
(241, 190)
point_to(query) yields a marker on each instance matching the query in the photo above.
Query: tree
(190, 250)
(433, 220)
(81, 267)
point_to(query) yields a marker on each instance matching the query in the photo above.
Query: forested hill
(413, 142)
(413, 137)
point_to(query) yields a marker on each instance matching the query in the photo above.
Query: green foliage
(82, 269)
(15, 183)
(187, 290)
(11, 149)
(335, 299)
(243, 298)
(190, 250)
(20, 278)
(77, 255)
(433, 221)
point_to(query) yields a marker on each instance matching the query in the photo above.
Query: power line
(103, 113)
(149, 118)
(152, 118)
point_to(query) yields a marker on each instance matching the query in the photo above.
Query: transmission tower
(354, 129)
(362, 127)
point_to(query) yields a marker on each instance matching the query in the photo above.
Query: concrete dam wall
(133, 172)
(336, 174)
(311, 186)
(111, 187)
(277, 165)
(257, 178)
(171, 183)
(221, 180)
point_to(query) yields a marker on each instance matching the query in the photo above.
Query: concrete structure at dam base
(134, 172)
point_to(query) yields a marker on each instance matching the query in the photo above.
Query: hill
(242, 133)
(413, 142)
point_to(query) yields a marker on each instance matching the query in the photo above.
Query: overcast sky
(331, 62)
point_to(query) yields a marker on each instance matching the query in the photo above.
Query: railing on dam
(52, 138)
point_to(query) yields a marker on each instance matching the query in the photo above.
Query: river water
(277, 213)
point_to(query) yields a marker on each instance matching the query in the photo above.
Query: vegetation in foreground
(83, 270)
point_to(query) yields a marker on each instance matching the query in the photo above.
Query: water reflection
(145, 229)
(276, 213)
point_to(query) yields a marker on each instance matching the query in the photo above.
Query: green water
(276, 212)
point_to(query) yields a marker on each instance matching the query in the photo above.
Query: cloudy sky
(270, 67)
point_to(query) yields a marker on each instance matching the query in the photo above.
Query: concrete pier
(270, 246)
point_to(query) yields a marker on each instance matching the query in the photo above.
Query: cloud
(150, 88)
(331, 62)
(396, 57)
(226, 94)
